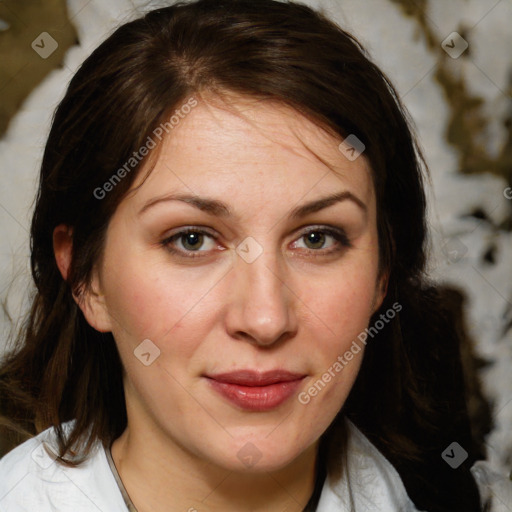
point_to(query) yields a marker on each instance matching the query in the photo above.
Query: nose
(262, 304)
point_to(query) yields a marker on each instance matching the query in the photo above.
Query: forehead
(225, 147)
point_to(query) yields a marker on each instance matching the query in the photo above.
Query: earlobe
(91, 301)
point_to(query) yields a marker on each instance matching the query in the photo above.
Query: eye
(190, 241)
(195, 242)
(324, 240)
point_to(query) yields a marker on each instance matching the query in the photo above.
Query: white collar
(372, 482)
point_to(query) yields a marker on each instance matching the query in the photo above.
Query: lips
(256, 391)
(253, 378)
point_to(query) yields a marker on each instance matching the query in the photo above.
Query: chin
(259, 455)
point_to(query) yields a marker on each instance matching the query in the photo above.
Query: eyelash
(337, 234)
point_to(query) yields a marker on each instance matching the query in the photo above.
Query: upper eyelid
(307, 228)
(194, 229)
(301, 231)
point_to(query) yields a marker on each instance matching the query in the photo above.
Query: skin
(297, 306)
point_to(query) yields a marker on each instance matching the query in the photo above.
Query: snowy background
(462, 110)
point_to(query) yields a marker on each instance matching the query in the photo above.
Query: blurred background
(451, 62)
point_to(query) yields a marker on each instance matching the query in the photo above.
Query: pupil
(192, 239)
(316, 238)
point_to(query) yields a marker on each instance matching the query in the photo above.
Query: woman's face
(224, 331)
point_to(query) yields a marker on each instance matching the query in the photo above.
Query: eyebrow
(220, 209)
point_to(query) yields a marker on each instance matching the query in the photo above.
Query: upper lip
(255, 378)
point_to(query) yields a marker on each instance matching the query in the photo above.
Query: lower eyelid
(341, 239)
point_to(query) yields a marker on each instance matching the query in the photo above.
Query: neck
(160, 476)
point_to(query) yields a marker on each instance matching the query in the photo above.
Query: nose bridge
(262, 306)
(265, 276)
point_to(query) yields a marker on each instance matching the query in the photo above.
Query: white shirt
(31, 481)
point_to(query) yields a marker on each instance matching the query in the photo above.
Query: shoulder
(32, 479)
(374, 484)
(20, 465)
(495, 488)
(369, 469)
(369, 483)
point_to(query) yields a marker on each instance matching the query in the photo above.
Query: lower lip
(257, 398)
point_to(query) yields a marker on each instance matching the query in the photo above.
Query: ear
(91, 301)
(62, 248)
(381, 290)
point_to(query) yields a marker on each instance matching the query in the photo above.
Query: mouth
(256, 391)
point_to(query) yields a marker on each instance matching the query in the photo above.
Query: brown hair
(408, 398)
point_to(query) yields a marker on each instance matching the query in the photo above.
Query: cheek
(343, 315)
(344, 302)
(340, 309)
(150, 299)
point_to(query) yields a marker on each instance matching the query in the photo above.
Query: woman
(231, 311)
